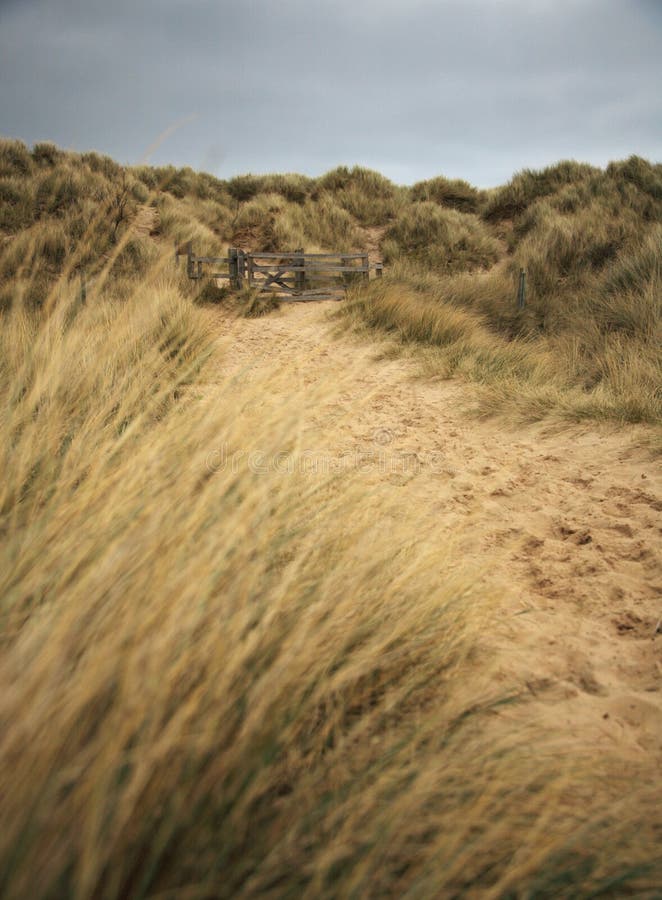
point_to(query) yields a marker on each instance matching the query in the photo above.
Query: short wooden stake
(189, 260)
(521, 291)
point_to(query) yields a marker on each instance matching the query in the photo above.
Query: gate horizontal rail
(296, 255)
(304, 267)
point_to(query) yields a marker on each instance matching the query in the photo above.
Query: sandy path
(563, 528)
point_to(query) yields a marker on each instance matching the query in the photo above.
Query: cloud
(474, 89)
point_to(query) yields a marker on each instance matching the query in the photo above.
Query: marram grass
(208, 688)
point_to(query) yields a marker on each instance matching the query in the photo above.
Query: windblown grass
(453, 193)
(368, 196)
(207, 687)
(468, 325)
(442, 240)
(587, 343)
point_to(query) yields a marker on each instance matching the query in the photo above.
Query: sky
(473, 89)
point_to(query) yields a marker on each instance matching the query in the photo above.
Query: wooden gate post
(233, 268)
(241, 268)
(300, 271)
(365, 263)
(346, 277)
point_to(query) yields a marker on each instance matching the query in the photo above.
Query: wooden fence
(297, 274)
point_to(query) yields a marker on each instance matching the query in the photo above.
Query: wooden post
(189, 260)
(379, 270)
(233, 268)
(176, 255)
(299, 272)
(521, 291)
(241, 268)
(365, 262)
(349, 278)
(249, 266)
(199, 274)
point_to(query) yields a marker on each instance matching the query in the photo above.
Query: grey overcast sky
(474, 89)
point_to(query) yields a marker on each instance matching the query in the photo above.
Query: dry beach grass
(279, 616)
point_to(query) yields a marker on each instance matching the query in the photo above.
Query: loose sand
(562, 528)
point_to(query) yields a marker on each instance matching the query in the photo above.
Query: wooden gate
(296, 275)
